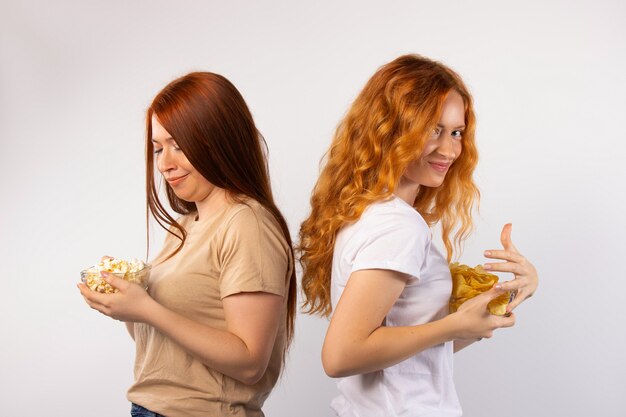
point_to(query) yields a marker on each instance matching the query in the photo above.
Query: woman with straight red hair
(401, 161)
(212, 329)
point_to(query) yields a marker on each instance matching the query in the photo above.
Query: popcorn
(133, 270)
(468, 282)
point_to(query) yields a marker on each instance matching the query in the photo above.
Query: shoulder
(390, 225)
(393, 214)
(249, 213)
(389, 235)
(254, 254)
(250, 220)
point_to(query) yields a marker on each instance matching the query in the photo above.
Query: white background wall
(549, 84)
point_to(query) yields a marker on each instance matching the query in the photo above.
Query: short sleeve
(396, 241)
(253, 256)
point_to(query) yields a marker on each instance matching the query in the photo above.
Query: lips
(440, 166)
(176, 180)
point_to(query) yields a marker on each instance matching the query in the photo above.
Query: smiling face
(176, 169)
(441, 149)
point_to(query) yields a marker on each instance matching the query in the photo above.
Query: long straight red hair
(212, 125)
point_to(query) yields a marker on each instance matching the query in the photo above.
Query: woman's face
(442, 147)
(187, 183)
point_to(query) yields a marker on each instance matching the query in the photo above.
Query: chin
(433, 184)
(183, 196)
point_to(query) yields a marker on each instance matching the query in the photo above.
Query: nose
(165, 161)
(446, 147)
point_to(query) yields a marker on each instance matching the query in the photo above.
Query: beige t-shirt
(240, 248)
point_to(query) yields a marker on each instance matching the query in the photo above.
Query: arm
(241, 351)
(356, 342)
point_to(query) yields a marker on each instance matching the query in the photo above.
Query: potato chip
(468, 282)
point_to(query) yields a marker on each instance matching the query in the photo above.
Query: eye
(158, 151)
(457, 134)
(436, 132)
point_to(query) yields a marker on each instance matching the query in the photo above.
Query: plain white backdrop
(548, 78)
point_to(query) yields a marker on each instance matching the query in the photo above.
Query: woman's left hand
(130, 303)
(526, 280)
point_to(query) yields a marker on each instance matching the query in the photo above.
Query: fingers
(84, 291)
(92, 296)
(505, 238)
(488, 295)
(513, 304)
(505, 321)
(114, 281)
(497, 322)
(519, 298)
(512, 267)
(93, 299)
(513, 285)
(494, 292)
(521, 289)
(505, 255)
(98, 307)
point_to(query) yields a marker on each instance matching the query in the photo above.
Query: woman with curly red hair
(401, 161)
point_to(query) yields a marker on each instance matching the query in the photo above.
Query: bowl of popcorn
(132, 270)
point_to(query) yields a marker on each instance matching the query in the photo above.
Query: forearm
(384, 347)
(218, 349)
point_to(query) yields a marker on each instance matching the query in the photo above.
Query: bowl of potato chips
(468, 282)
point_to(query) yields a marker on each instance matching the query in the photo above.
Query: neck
(213, 202)
(407, 190)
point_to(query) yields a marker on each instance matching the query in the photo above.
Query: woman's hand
(131, 303)
(474, 321)
(526, 280)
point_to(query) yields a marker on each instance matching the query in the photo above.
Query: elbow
(334, 364)
(247, 373)
(251, 374)
(333, 370)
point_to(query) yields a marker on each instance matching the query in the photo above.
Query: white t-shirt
(393, 235)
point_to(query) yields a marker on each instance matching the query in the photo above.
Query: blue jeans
(139, 411)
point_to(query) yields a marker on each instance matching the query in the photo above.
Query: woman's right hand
(131, 303)
(474, 322)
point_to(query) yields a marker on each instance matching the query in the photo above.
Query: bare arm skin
(241, 351)
(356, 342)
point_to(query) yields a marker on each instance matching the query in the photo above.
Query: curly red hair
(383, 131)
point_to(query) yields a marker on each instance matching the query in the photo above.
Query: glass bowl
(91, 277)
